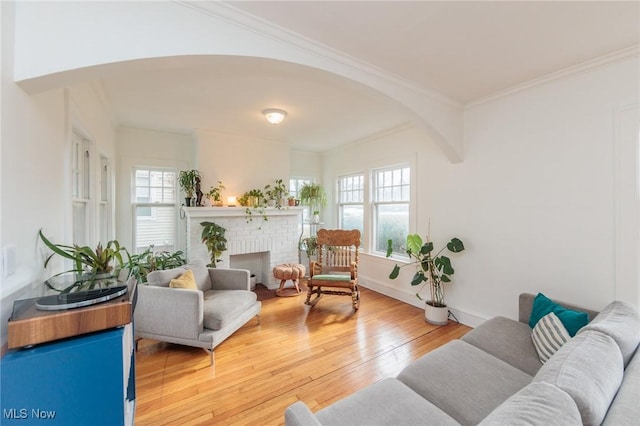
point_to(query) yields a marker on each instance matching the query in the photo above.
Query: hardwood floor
(317, 355)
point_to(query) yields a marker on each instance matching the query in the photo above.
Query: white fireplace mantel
(277, 237)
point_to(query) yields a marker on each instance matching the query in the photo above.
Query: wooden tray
(30, 326)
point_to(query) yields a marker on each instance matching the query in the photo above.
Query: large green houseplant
(213, 236)
(187, 181)
(432, 268)
(141, 264)
(91, 267)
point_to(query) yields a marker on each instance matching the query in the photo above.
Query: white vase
(436, 315)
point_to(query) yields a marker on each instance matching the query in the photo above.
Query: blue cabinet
(86, 380)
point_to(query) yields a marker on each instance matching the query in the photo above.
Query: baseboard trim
(466, 318)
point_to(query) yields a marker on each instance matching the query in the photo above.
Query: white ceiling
(464, 50)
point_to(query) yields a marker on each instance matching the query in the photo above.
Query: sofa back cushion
(164, 277)
(201, 275)
(620, 321)
(589, 368)
(539, 403)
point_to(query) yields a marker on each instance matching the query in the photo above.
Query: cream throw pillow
(186, 280)
(548, 336)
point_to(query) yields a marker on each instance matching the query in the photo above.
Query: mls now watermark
(25, 413)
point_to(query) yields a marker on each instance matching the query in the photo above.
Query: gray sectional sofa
(493, 376)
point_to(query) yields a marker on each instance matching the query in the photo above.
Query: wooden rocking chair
(336, 267)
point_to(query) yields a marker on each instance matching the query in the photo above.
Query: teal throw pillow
(572, 320)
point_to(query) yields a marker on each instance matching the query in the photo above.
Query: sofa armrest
(525, 301)
(298, 414)
(165, 311)
(230, 279)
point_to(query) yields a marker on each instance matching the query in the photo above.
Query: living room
(538, 179)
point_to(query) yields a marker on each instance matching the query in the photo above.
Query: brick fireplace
(273, 241)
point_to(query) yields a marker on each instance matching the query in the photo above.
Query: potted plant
(433, 269)
(215, 194)
(141, 264)
(91, 268)
(214, 239)
(276, 194)
(187, 181)
(314, 196)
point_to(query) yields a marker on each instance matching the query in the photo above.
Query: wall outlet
(8, 261)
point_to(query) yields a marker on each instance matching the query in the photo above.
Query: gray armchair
(202, 318)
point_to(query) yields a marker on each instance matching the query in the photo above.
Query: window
(391, 195)
(351, 202)
(154, 209)
(295, 184)
(104, 205)
(80, 188)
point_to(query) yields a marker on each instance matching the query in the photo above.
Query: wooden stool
(289, 271)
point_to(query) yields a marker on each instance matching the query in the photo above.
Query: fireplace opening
(256, 263)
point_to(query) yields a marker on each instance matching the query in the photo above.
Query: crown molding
(610, 58)
(264, 28)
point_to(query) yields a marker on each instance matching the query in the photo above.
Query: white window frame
(343, 200)
(81, 186)
(405, 197)
(135, 204)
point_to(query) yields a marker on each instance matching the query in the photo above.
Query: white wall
(241, 163)
(533, 201)
(138, 147)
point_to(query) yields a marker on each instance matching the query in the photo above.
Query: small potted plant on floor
(432, 269)
(187, 181)
(213, 237)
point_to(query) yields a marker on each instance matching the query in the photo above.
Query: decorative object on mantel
(214, 239)
(187, 181)
(231, 201)
(215, 195)
(314, 196)
(432, 269)
(198, 192)
(276, 195)
(253, 201)
(91, 268)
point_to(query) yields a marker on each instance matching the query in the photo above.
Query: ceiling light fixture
(274, 116)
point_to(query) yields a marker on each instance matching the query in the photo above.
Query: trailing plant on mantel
(433, 269)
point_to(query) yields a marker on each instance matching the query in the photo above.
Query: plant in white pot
(433, 269)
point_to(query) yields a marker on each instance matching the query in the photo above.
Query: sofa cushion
(507, 340)
(463, 381)
(548, 336)
(589, 368)
(164, 277)
(538, 403)
(625, 409)
(388, 402)
(620, 321)
(223, 306)
(572, 320)
(201, 274)
(186, 281)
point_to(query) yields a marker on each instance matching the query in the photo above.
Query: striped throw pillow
(548, 336)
